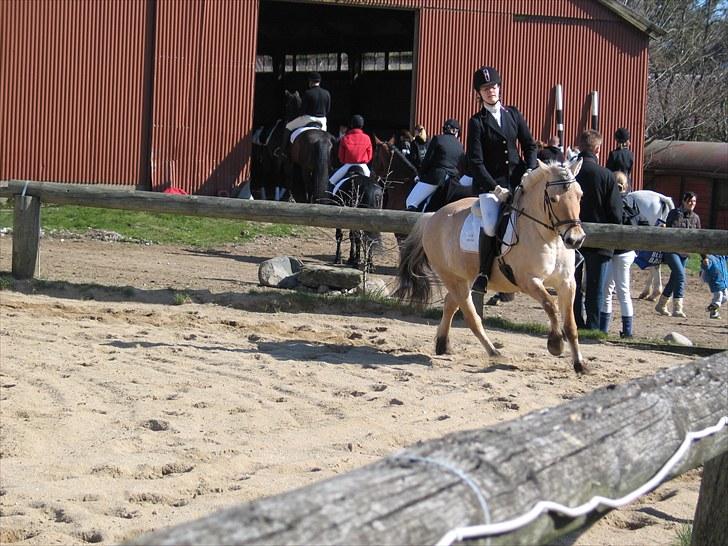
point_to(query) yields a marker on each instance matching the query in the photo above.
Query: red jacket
(355, 147)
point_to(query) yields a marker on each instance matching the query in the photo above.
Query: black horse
(359, 191)
(309, 158)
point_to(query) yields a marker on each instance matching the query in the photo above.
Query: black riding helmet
(485, 75)
(451, 126)
(621, 135)
(314, 77)
(357, 122)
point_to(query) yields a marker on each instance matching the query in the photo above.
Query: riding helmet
(485, 75)
(450, 126)
(314, 77)
(357, 121)
(621, 135)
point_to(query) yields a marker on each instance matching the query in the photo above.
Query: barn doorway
(366, 57)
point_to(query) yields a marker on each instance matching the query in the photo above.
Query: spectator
(602, 204)
(494, 134)
(617, 277)
(621, 159)
(355, 148)
(444, 155)
(419, 145)
(552, 151)
(681, 217)
(714, 272)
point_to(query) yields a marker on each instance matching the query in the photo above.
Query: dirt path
(123, 412)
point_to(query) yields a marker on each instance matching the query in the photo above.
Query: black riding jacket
(316, 101)
(441, 161)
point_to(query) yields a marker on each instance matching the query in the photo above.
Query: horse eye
(553, 199)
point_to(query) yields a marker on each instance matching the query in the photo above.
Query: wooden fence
(29, 195)
(609, 443)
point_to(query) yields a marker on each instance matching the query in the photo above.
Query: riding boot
(626, 327)
(661, 306)
(486, 249)
(677, 308)
(604, 320)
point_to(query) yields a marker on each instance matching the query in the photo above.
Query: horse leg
(657, 282)
(537, 291)
(339, 237)
(353, 260)
(442, 337)
(460, 292)
(566, 306)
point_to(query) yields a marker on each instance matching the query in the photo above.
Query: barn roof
(633, 17)
(695, 157)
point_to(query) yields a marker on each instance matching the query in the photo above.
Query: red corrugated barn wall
(203, 94)
(535, 45)
(71, 91)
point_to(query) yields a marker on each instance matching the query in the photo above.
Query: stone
(336, 278)
(678, 339)
(374, 287)
(280, 272)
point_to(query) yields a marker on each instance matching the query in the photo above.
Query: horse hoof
(580, 369)
(555, 345)
(643, 296)
(442, 347)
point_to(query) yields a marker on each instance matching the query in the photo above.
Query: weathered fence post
(710, 525)
(26, 236)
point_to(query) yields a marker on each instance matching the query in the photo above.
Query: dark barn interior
(364, 55)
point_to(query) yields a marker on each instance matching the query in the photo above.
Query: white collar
(495, 109)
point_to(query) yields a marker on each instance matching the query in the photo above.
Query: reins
(555, 221)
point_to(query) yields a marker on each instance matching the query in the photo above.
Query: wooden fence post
(26, 235)
(710, 525)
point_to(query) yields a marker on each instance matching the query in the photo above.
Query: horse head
(561, 196)
(293, 104)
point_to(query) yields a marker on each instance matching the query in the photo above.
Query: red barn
(156, 93)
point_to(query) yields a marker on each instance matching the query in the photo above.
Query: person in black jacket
(621, 158)
(315, 107)
(602, 204)
(493, 135)
(444, 155)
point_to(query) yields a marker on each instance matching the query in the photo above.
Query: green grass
(154, 227)
(683, 535)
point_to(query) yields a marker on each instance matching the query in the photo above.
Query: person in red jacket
(355, 148)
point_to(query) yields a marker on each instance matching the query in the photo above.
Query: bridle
(555, 221)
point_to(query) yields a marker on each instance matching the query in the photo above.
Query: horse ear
(541, 164)
(575, 166)
(391, 141)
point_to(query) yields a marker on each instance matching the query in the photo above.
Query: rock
(374, 287)
(336, 278)
(279, 272)
(678, 339)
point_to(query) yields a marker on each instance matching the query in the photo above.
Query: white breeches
(300, 121)
(489, 208)
(341, 171)
(419, 193)
(618, 279)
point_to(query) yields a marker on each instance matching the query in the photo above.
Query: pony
(359, 191)
(309, 157)
(544, 218)
(649, 208)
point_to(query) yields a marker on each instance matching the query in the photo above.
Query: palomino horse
(310, 158)
(545, 213)
(649, 208)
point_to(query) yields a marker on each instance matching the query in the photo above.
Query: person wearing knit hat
(621, 158)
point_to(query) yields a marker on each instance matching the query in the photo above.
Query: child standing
(714, 271)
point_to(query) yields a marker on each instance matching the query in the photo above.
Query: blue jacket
(715, 273)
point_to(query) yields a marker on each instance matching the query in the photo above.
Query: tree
(688, 69)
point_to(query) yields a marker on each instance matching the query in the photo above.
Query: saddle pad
(470, 234)
(295, 133)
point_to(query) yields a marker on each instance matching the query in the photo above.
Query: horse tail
(414, 272)
(322, 157)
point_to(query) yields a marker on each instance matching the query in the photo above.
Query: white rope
(507, 526)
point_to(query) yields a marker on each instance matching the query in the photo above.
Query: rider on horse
(444, 155)
(355, 149)
(493, 134)
(315, 106)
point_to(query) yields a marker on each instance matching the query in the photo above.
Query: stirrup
(481, 284)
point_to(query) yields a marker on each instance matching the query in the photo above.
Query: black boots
(486, 249)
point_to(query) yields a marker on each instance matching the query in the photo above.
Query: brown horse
(545, 214)
(396, 172)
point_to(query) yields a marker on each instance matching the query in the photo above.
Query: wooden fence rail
(28, 193)
(608, 443)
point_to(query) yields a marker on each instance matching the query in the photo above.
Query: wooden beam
(26, 234)
(608, 443)
(710, 525)
(598, 235)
